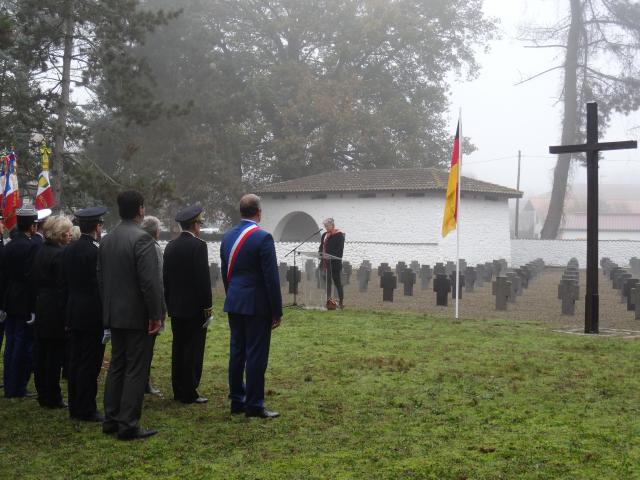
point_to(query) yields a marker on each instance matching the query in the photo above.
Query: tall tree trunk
(63, 106)
(569, 123)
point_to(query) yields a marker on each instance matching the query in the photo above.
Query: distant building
(619, 214)
(389, 215)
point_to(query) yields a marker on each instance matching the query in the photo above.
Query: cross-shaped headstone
(364, 274)
(282, 272)
(347, 270)
(455, 291)
(501, 288)
(568, 292)
(293, 277)
(388, 282)
(425, 276)
(384, 267)
(593, 149)
(415, 266)
(470, 276)
(625, 292)
(442, 287)
(408, 280)
(635, 298)
(439, 268)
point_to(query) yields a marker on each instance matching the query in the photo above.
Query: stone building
(391, 215)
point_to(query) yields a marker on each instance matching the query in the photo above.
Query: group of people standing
(73, 298)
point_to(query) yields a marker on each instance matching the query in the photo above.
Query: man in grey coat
(132, 308)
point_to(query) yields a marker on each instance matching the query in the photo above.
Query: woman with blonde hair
(50, 311)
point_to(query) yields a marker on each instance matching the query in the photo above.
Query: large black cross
(592, 148)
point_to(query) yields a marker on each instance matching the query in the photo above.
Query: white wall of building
(393, 227)
(602, 235)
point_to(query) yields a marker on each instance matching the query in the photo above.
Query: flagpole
(458, 215)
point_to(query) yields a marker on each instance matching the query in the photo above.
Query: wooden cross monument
(593, 149)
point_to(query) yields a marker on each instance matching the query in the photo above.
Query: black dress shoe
(109, 428)
(96, 418)
(260, 413)
(236, 409)
(137, 433)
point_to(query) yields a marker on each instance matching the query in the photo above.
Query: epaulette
(97, 244)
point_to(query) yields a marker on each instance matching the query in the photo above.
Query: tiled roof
(606, 222)
(405, 179)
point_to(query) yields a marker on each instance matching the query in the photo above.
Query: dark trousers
(1, 341)
(248, 357)
(187, 355)
(18, 355)
(86, 352)
(337, 280)
(126, 379)
(48, 359)
(153, 346)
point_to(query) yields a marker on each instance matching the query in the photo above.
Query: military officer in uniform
(38, 237)
(187, 290)
(19, 305)
(84, 316)
(2, 317)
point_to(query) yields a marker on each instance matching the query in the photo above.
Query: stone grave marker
(479, 275)
(463, 264)
(449, 267)
(516, 287)
(442, 287)
(408, 280)
(384, 267)
(501, 288)
(488, 271)
(470, 276)
(635, 298)
(363, 275)
(439, 268)
(214, 274)
(367, 264)
(426, 274)
(294, 275)
(282, 272)
(309, 269)
(454, 290)
(630, 284)
(347, 270)
(415, 266)
(400, 267)
(388, 283)
(568, 292)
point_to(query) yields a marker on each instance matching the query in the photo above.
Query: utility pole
(518, 199)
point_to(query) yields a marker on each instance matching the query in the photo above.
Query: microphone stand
(294, 250)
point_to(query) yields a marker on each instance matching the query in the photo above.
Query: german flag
(450, 218)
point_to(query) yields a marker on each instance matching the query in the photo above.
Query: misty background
(202, 100)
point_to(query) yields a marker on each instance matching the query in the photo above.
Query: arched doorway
(296, 227)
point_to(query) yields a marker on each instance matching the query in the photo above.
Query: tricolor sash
(237, 245)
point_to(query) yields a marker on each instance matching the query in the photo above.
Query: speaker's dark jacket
(185, 272)
(18, 296)
(84, 307)
(50, 294)
(335, 247)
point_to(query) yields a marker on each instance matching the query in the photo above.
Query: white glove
(32, 320)
(3, 316)
(106, 336)
(207, 322)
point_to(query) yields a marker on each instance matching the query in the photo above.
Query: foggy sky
(502, 118)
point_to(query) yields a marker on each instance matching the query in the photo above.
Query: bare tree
(600, 40)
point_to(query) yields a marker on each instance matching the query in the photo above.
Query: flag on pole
(450, 218)
(11, 198)
(44, 196)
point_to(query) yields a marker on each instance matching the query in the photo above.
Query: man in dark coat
(131, 295)
(84, 316)
(254, 304)
(187, 290)
(19, 304)
(332, 243)
(3, 316)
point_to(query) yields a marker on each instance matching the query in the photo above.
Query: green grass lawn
(371, 395)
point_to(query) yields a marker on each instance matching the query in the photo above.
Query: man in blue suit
(254, 305)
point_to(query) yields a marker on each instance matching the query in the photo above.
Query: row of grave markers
(626, 281)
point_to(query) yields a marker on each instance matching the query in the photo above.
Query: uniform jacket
(254, 288)
(18, 296)
(84, 307)
(335, 247)
(187, 286)
(128, 278)
(50, 294)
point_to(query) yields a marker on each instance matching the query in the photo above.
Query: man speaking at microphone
(254, 305)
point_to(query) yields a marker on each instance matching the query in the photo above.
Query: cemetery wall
(558, 252)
